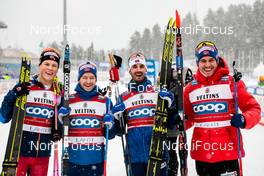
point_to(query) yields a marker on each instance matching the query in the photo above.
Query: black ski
(66, 120)
(160, 127)
(182, 144)
(16, 129)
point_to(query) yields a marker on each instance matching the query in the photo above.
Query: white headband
(137, 60)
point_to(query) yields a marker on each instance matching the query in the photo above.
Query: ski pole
(116, 62)
(55, 158)
(238, 130)
(106, 147)
(55, 161)
(125, 147)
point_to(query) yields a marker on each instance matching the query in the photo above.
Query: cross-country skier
(210, 106)
(39, 117)
(89, 112)
(137, 107)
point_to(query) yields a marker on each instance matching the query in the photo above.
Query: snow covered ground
(252, 163)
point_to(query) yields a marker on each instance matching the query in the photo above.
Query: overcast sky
(108, 23)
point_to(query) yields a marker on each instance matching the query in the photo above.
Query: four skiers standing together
(209, 106)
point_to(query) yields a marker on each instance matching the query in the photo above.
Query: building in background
(10, 62)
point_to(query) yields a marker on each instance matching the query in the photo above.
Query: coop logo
(86, 122)
(40, 111)
(144, 111)
(210, 108)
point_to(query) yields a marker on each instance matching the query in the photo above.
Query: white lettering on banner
(40, 111)
(86, 140)
(223, 91)
(216, 124)
(209, 107)
(86, 122)
(144, 111)
(36, 129)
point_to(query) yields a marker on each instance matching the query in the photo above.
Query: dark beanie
(206, 48)
(49, 54)
(87, 67)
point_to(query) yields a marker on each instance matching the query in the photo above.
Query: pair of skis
(10, 162)
(66, 120)
(159, 136)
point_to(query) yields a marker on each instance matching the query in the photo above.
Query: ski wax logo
(144, 111)
(210, 108)
(40, 112)
(85, 122)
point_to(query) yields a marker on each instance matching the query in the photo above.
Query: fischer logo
(40, 111)
(212, 107)
(86, 122)
(144, 111)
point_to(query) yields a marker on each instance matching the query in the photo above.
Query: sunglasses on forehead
(137, 55)
(205, 43)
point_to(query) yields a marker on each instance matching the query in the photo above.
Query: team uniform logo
(210, 108)
(142, 112)
(40, 112)
(85, 122)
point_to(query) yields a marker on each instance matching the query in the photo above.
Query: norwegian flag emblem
(137, 61)
(87, 69)
(205, 52)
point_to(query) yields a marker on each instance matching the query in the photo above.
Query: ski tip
(111, 59)
(170, 24)
(178, 19)
(67, 47)
(67, 52)
(234, 63)
(25, 56)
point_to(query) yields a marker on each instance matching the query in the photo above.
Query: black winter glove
(173, 119)
(56, 135)
(237, 76)
(238, 121)
(22, 88)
